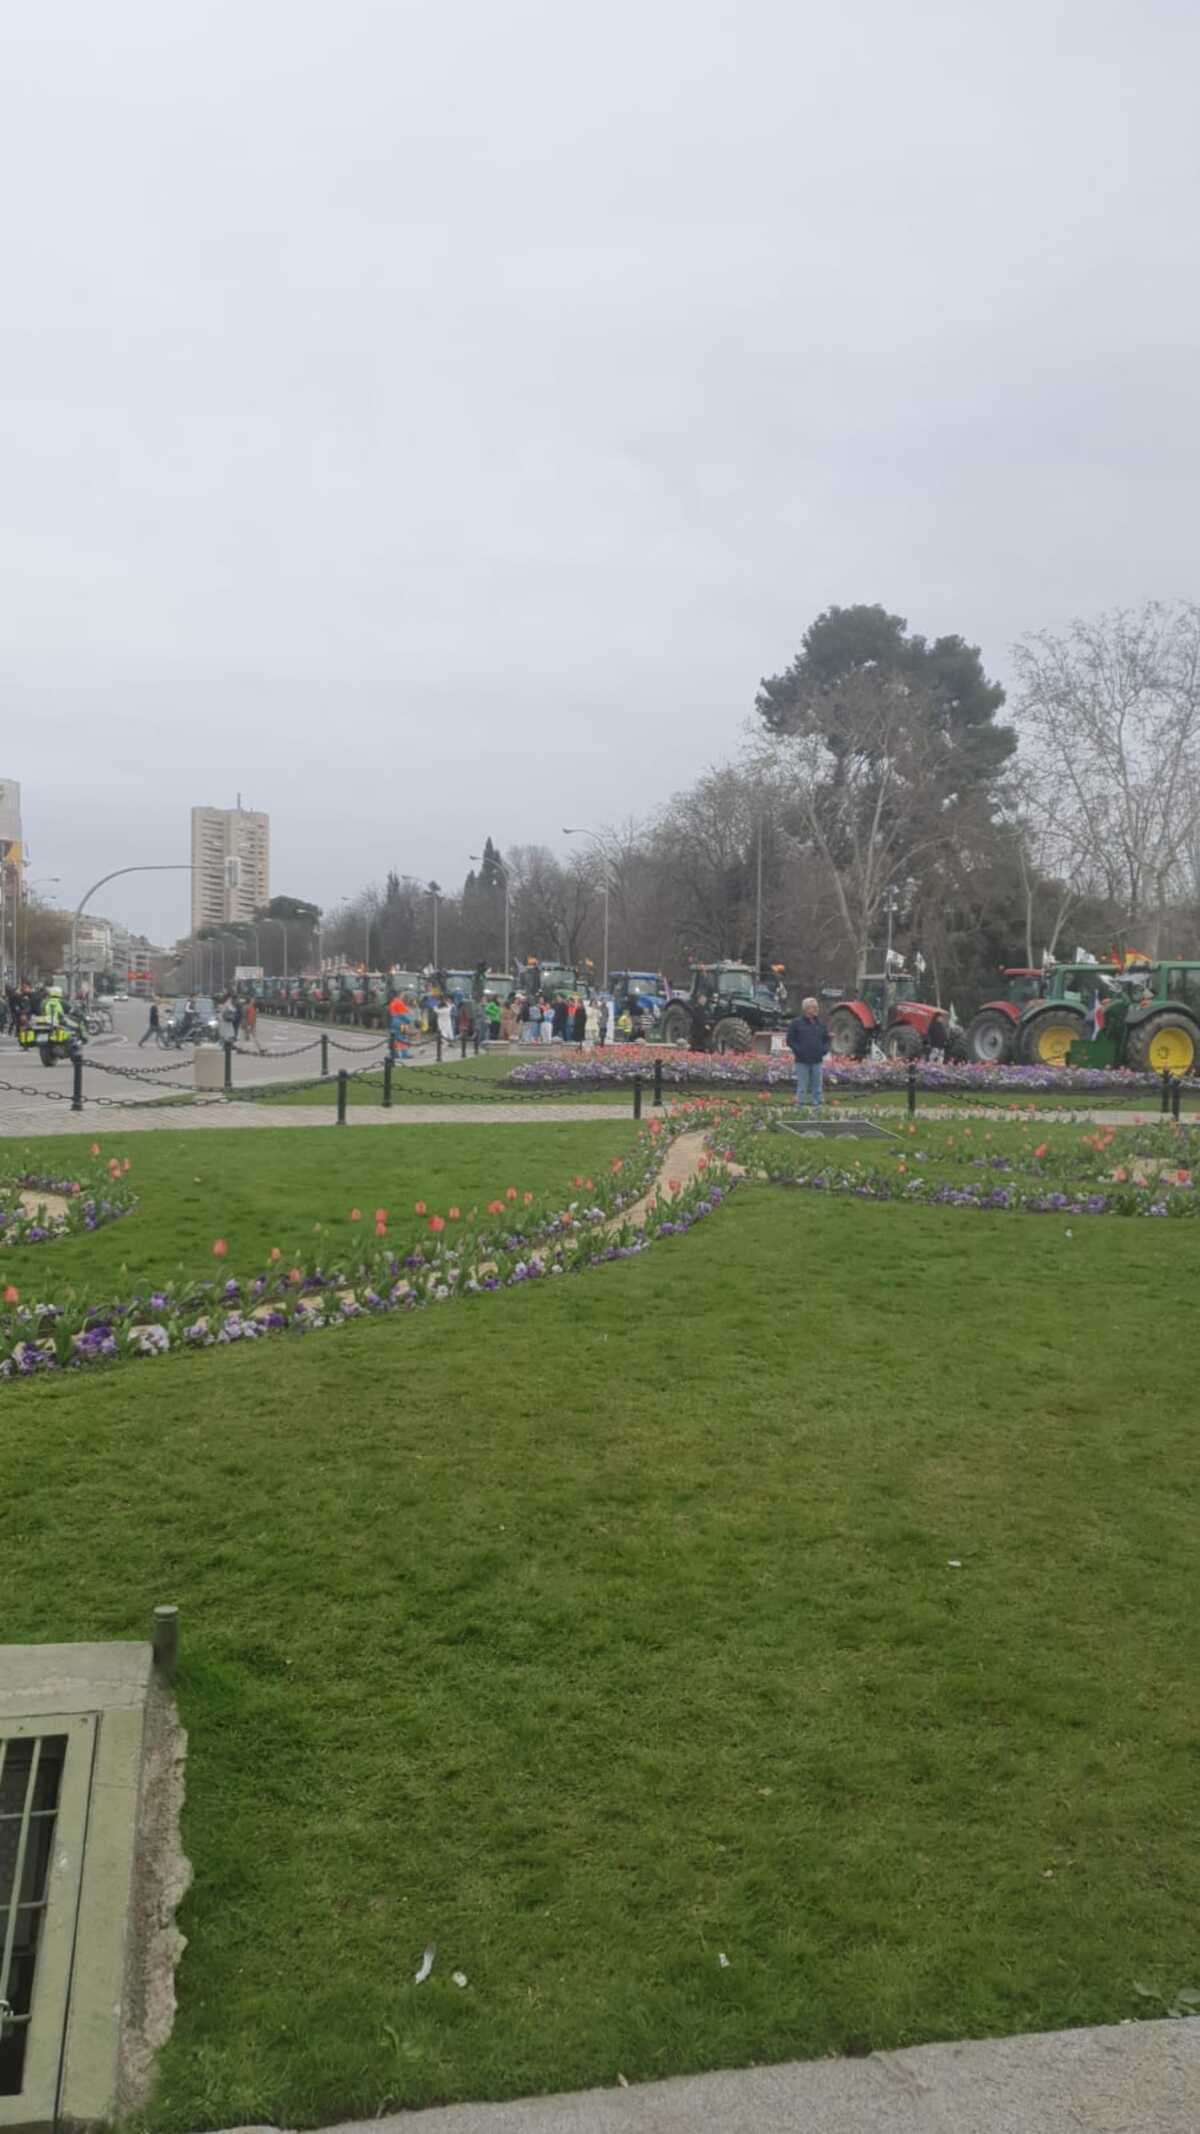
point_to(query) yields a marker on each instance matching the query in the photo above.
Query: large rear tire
(902, 1042)
(991, 1038)
(846, 1034)
(1047, 1037)
(1164, 1044)
(677, 1024)
(732, 1034)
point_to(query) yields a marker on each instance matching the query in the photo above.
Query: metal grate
(31, 1771)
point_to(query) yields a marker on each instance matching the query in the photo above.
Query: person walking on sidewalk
(808, 1042)
(151, 1029)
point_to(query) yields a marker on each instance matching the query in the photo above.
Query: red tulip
(356, 1215)
(437, 1222)
(381, 1215)
(220, 1249)
(276, 1254)
(1040, 1150)
(420, 1207)
(495, 1207)
(510, 1193)
(453, 1214)
(528, 1199)
(381, 1229)
(11, 1295)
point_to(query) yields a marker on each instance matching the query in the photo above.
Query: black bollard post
(388, 1069)
(1166, 1092)
(912, 1088)
(228, 1042)
(439, 1048)
(77, 1084)
(324, 1052)
(165, 1639)
(637, 1096)
(1176, 1095)
(477, 1044)
(464, 1044)
(658, 1082)
(343, 1083)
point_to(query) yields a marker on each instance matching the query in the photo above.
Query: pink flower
(381, 1229)
(590, 1184)
(295, 1277)
(381, 1215)
(95, 1148)
(1041, 1148)
(453, 1214)
(437, 1222)
(356, 1215)
(419, 1207)
(11, 1295)
(276, 1254)
(495, 1207)
(578, 1179)
(616, 1164)
(510, 1193)
(220, 1249)
(528, 1199)
(127, 1165)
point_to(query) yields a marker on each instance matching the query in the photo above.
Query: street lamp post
(502, 865)
(171, 867)
(604, 886)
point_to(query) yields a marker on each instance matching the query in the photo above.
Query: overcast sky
(432, 419)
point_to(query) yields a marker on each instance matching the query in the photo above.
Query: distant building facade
(231, 865)
(12, 874)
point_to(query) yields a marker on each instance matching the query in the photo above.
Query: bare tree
(1111, 713)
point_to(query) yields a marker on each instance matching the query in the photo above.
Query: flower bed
(953, 1166)
(450, 1255)
(85, 1208)
(617, 1065)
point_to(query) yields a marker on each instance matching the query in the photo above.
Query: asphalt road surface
(33, 1097)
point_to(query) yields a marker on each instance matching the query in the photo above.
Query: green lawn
(259, 1190)
(453, 1082)
(595, 1630)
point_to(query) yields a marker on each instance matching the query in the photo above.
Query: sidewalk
(1131, 2078)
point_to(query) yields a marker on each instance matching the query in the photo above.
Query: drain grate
(45, 1786)
(30, 1778)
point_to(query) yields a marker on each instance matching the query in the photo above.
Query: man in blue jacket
(808, 1042)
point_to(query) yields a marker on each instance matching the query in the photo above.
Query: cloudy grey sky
(432, 420)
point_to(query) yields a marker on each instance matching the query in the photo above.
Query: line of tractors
(1143, 1015)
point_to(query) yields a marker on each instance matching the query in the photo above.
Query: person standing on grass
(808, 1042)
(151, 1029)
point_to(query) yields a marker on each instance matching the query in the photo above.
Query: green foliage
(846, 642)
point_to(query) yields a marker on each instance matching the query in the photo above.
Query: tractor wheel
(846, 1034)
(1166, 1044)
(902, 1042)
(677, 1024)
(990, 1038)
(1047, 1037)
(732, 1034)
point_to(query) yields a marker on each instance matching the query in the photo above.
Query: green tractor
(1147, 1018)
(1065, 1012)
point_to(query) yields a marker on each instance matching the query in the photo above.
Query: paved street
(32, 1107)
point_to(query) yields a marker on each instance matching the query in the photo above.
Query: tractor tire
(991, 1038)
(846, 1035)
(902, 1042)
(1164, 1044)
(732, 1034)
(1047, 1037)
(676, 1024)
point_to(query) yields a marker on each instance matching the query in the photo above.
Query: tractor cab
(725, 1007)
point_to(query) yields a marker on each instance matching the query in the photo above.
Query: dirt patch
(51, 1206)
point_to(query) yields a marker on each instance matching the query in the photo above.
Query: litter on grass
(419, 1977)
(459, 1977)
(723, 1960)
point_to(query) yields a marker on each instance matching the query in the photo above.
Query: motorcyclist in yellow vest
(53, 1009)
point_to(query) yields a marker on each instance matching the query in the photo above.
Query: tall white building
(231, 864)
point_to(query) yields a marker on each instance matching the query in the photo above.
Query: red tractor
(991, 1037)
(886, 1013)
